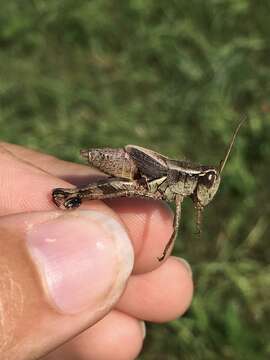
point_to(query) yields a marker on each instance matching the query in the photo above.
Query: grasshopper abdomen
(115, 162)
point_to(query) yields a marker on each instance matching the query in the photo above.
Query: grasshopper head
(209, 180)
(207, 186)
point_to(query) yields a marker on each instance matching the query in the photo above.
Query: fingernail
(186, 265)
(84, 259)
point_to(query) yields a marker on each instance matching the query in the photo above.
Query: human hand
(65, 282)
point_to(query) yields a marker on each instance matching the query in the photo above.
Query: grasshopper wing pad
(149, 163)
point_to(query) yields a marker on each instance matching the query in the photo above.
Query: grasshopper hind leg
(103, 189)
(114, 188)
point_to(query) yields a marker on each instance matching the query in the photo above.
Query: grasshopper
(138, 172)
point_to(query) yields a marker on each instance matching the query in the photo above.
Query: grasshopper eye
(208, 179)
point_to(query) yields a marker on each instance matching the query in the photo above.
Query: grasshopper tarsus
(66, 198)
(161, 258)
(73, 203)
(168, 245)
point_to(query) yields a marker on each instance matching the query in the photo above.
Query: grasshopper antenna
(223, 162)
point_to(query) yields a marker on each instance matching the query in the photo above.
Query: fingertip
(117, 336)
(161, 295)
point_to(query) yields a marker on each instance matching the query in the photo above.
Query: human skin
(64, 320)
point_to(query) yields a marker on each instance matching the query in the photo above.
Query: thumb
(60, 272)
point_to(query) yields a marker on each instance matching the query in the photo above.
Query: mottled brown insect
(138, 172)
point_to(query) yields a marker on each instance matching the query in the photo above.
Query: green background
(175, 76)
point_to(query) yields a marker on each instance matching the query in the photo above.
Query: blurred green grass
(174, 76)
